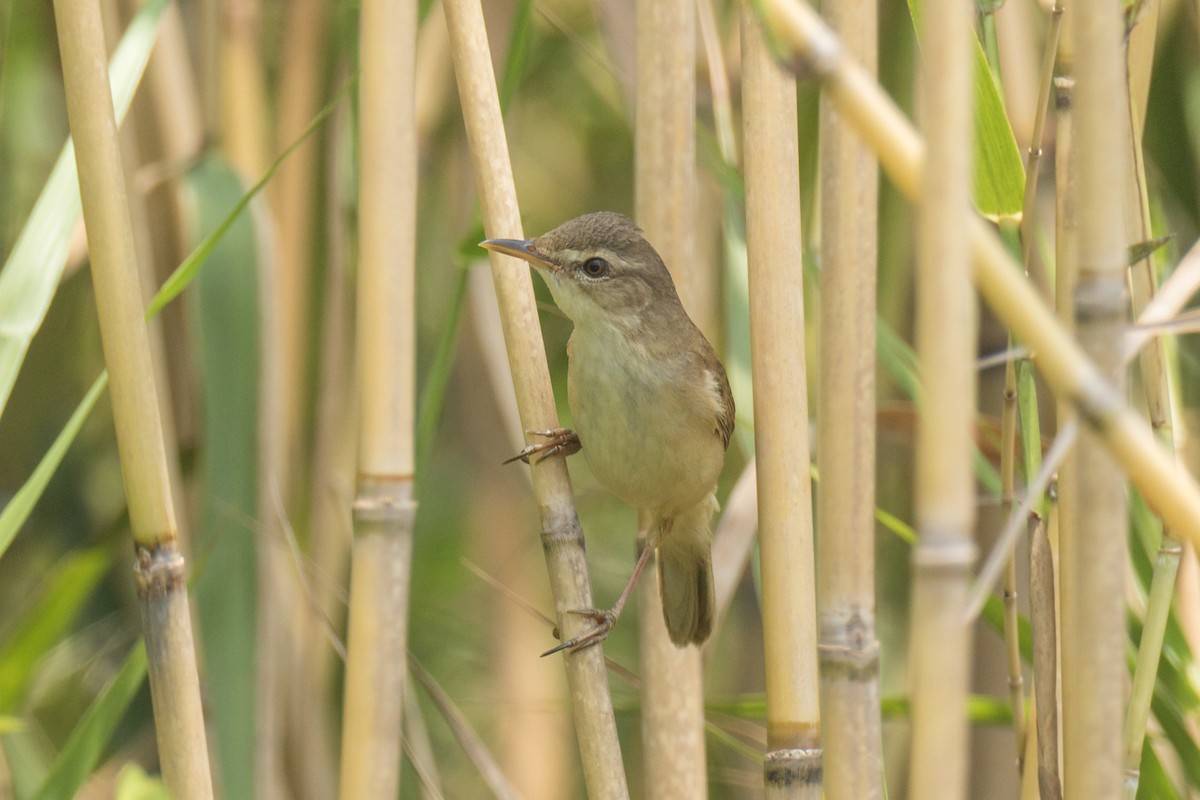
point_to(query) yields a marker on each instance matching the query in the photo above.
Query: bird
(650, 402)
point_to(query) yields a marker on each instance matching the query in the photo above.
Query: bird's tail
(685, 579)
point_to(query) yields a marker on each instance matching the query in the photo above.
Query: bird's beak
(519, 248)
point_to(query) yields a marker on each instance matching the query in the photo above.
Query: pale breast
(647, 425)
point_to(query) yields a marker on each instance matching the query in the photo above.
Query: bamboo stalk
(385, 337)
(673, 755)
(944, 492)
(792, 767)
(1093, 551)
(562, 538)
(1070, 373)
(160, 567)
(849, 649)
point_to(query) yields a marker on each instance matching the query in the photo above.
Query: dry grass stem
(587, 679)
(160, 572)
(792, 767)
(944, 492)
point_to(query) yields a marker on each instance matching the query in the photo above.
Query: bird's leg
(558, 440)
(605, 620)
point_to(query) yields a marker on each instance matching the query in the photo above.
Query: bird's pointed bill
(518, 248)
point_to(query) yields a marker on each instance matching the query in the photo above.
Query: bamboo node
(566, 531)
(1063, 90)
(383, 498)
(160, 570)
(793, 767)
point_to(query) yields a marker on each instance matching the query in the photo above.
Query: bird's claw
(558, 440)
(605, 621)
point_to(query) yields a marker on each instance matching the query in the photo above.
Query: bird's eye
(595, 267)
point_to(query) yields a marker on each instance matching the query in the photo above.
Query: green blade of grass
(60, 597)
(21, 505)
(91, 736)
(34, 267)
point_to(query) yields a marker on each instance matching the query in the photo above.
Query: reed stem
(160, 571)
(792, 767)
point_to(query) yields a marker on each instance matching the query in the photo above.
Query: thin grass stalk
(385, 343)
(1062, 513)
(792, 767)
(332, 492)
(1069, 372)
(1011, 386)
(160, 567)
(849, 649)
(944, 492)
(310, 727)
(673, 753)
(1093, 552)
(1158, 406)
(562, 538)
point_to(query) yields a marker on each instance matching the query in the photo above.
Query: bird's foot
(605, 622)
(558, 440)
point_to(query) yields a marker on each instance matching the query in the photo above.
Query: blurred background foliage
(67, 613)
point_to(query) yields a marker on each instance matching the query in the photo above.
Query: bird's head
(599, 267)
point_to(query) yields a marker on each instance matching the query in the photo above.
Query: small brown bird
(650, 400)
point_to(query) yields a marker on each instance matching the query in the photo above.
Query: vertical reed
(562, 539)
(792, 768)
(1094, 548)
(384, 508)
(940, 661)
(673, 754)
(849, 649)
(160, 568)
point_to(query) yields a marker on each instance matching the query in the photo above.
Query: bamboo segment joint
(793, 767)
(564, 533)
(1062, 96)
(385, 499)
(160, 570)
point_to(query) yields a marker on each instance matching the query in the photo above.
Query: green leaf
(999, 169)
(225, 305)
(61, 596)
(34, 267)
(21, 505)
(88, 741)
(981, 709)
